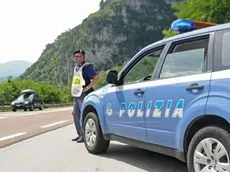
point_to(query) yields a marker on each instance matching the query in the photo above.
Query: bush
(10, 90)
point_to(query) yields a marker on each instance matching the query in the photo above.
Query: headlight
(27, 102)
(12, 103)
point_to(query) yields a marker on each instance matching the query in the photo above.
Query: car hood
(22, 101)
(16, 101)
(100, 92)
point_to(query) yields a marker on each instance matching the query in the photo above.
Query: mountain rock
(109, 37)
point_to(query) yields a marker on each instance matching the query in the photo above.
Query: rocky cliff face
(110, 36)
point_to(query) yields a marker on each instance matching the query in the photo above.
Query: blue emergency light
(183, 26)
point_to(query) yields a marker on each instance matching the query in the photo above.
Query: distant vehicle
(28, 99)
(178, 107)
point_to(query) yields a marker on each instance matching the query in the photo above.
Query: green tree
(168, 33)
(215, 11)
(9, 78)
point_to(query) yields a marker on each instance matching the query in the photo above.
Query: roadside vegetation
(10, 89)
(215, 11)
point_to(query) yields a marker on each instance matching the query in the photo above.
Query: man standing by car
(84, 79)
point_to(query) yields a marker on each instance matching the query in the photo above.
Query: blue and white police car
(172, 97)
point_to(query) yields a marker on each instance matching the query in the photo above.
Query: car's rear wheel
(209, 150)
(93, 137)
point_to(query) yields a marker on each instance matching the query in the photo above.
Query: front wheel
(41, 107)
(32, 107)
(93, 137)
(209, 150)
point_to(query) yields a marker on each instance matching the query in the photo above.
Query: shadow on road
(144, 159)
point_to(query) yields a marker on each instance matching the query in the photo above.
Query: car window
(20, 98)
(26, 96)
(144, 68)
(185, 59)
(23, 97)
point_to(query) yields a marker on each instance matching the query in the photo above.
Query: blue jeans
(77, 112)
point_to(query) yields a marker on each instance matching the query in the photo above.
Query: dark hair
(79, 51)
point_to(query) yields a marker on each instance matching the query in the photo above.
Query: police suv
(172, 97)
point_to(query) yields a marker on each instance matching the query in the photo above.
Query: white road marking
(19, 114)
(56, 123)
(4, 117)
(11, 136)
(7, 114)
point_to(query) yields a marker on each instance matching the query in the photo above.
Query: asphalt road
(55, 152)
(20, 125)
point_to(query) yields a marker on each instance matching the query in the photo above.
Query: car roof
(192, 33)
(28, 91)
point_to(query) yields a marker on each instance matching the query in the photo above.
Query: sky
(26, 26)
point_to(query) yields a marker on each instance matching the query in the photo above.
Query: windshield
(24, 97)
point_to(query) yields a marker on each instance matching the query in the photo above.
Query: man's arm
(93, 75)
(94, 81)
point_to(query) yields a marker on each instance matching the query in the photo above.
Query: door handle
(195, 87)
(139, 92)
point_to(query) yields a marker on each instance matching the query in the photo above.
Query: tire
(101, 145)
(214, 136)
(41, 107)
(32, 107)
(25, 109)
(14, 109)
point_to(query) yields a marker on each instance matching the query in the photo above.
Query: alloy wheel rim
(90, 132)
(210, 155)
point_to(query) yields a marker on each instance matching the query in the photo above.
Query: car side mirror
(111, 77)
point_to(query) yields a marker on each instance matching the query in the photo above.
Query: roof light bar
(183, 26)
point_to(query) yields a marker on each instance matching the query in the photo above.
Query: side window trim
(217, 59)
(161, 60)
(139, 58)
(211, 51)
(172, 44)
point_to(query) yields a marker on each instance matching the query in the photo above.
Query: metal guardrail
(4, 108)
(57, 105)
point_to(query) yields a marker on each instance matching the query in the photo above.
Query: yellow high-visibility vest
(78, 81)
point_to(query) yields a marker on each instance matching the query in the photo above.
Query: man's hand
(85, 89)
(92, 83)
